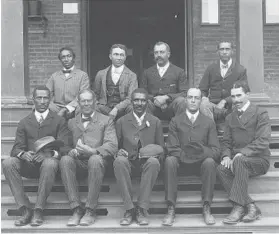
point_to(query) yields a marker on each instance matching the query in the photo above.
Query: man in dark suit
(217, 82)
(245, 153)
(115, 84)
(65, 84)
(193, 145)
(136, 131)
(165, 83)
(23, 161)
(94, 144)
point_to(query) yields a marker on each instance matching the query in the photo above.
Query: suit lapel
(132, 120)
(32, 120)
(248, 114)
(198, 120)
(155, 72)
(104, 81)
(122, 79)
(79, 123)
(48, 119)
(217, 69)
(229, 72)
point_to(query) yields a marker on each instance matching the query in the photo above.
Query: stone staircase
(263, 189)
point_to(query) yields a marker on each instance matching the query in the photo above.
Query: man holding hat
(192, 145)
(141, 143)
(35, 154)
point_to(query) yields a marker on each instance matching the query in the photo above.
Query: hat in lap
(47, 142)
(151, 150)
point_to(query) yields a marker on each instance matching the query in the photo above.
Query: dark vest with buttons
(113, 93)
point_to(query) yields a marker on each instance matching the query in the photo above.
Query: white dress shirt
(39, 115)
(139, 120)
(85, 124)
(162, 70)
(225, 67)
(244, 108)
(71, 69)
(192, 116)
(116, 73)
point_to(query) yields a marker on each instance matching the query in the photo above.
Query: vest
(113, 93)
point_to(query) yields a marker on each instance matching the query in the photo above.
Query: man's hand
(164, 106)
(226, 162)
(113, 112)
(73, 153)
(123, 153)
(221, 104)
(62, 111)
(205, 99)
(84, 149)
(162, 99)
(28, 156)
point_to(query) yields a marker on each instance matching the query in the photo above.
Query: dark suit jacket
(29, 130)
(248, 135)
(173, 83)
(129, 133)
(64, 90)
(214, 86)
(182, 131)
(127, 84)
(99, 133)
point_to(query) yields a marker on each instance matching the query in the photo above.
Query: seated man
(115, 84)
(24, 161)
(192, 144)
(245, 153)
(95, 143)
(165, 83)
(65, 84)
(141, 142)
(217, 82)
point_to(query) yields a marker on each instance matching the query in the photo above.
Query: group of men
(117, 126)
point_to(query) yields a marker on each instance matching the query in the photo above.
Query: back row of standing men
(136, 141)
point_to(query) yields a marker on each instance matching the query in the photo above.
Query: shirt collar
(118, 70)
(244, 108)
(71, 69)
(229, 63)
(189, 114)
(44, 114)
(164, 67)
(139, 120)
(82, 115)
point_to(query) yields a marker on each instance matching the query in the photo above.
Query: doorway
(138, 24)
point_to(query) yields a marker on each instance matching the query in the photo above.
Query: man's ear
(110, 56)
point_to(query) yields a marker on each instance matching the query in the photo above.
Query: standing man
(217, 82)
(65, 84)
(245, 153)
(141, 143)
(115, 84)
(94, 144)
(192, 144)
(165, 83)
(24, 162)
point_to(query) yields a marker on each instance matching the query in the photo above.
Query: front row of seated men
(136, 145)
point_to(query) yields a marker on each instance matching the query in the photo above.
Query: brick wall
(43, 50)
(206, 37)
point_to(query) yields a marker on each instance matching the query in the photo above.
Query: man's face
(41, 100)
(139, 101)
(117, 57)
(193, 100)
(86, 103)
(161, 54)
(239, 97)
(225, 51)
(67, 59)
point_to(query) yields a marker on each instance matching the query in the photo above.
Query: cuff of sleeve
(20, 154)
(101, 151)
(55, 154)
(70, 108)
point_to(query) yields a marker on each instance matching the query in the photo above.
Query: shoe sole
(251, 220)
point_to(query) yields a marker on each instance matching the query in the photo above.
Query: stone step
(15, 112)
(183, 224)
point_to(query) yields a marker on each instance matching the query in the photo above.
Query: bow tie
(225, 66)
(239, 112)
(86, 119)
(66, 71)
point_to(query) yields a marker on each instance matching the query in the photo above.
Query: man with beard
(245, 153)
(115, 84)
(65, 84)
(94, 144)
(192, 145)
(141, 143)
(25, 162)
(165, 83)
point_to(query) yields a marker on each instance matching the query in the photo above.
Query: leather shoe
(128, 217)
(37, 219)
(89, 217)
(76, 217)
(207, 216)
(169, 218)
(236, 215)
(25, 218)
(253, 213)
(141, 216)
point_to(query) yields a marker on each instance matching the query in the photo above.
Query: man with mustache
(245, 153)
(141, 143)
(114, 85)
(24, 162)
(217, 82)
(165, 83)
(65, 84)
(193, 146)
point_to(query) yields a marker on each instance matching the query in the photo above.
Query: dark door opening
(138, 24)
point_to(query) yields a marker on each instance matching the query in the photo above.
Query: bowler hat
(48, 141)
(151, 150)
(194, 150)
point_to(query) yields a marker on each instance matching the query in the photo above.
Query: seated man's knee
(120, 161)
(96, 161)
(10, 162)
(66, 160)
(171, 161)
(50, 163)
(209, 162)
(154, 162)
(239, 160)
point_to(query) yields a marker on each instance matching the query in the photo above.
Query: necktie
(41, 119)
(86, 119)
(239, 112)
(192, 119)
(66, 71)
(225, 66)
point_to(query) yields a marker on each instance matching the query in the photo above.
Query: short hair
(139, 90)
(68, 49)
(241, 84)
(196, 89)
(40, 87)
(87, 91)
(218, 45)
(163, 43)
(120, 46)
